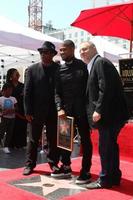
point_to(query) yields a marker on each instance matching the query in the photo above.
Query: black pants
(6, 127)
(35, 133)
(19, 138)
(83, 128)
(109, 154)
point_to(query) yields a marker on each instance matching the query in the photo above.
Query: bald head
(87, 51)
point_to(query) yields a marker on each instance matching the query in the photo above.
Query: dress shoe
(97, 185)
(27, 171)
(116, 182)
(116, 178)
(83, 178)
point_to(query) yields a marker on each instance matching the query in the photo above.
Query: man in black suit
(40, 106)
(71, 80)
(107, 111)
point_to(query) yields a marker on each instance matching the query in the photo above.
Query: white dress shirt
(89, 66)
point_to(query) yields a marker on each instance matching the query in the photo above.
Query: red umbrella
(114, 20)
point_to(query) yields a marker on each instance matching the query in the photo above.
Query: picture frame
(65, 133)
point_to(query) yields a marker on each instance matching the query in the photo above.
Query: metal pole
(131, 39)
(2, 73)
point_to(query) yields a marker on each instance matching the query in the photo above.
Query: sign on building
(126, 73)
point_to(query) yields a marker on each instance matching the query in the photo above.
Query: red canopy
(114, 20)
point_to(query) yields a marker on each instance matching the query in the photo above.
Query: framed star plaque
(65, 133)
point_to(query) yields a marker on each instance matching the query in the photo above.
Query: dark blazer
(71, 80)
(39, 89)
(105, 94)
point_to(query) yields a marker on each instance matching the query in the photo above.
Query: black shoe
(83, 178)
(116, 182)
(116, 178)
(63, 172)
(97, 185)
(52, 165)
(55, 171)
(27, 171)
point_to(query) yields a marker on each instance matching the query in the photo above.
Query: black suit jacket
(105, 94)
(39, 90)
(71, 80)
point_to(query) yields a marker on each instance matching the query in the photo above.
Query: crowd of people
(12, 109)
(88, 89)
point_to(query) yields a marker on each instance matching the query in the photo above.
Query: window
(82, 33)
(76, 34)
(70, 35)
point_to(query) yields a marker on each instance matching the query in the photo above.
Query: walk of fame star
(47, 186)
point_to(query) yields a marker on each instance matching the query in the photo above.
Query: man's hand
(62, 114)
(96, 117)
(29, 118)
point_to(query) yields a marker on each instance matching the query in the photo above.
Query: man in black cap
(40, 106)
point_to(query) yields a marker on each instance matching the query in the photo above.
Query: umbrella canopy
(114, 20)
